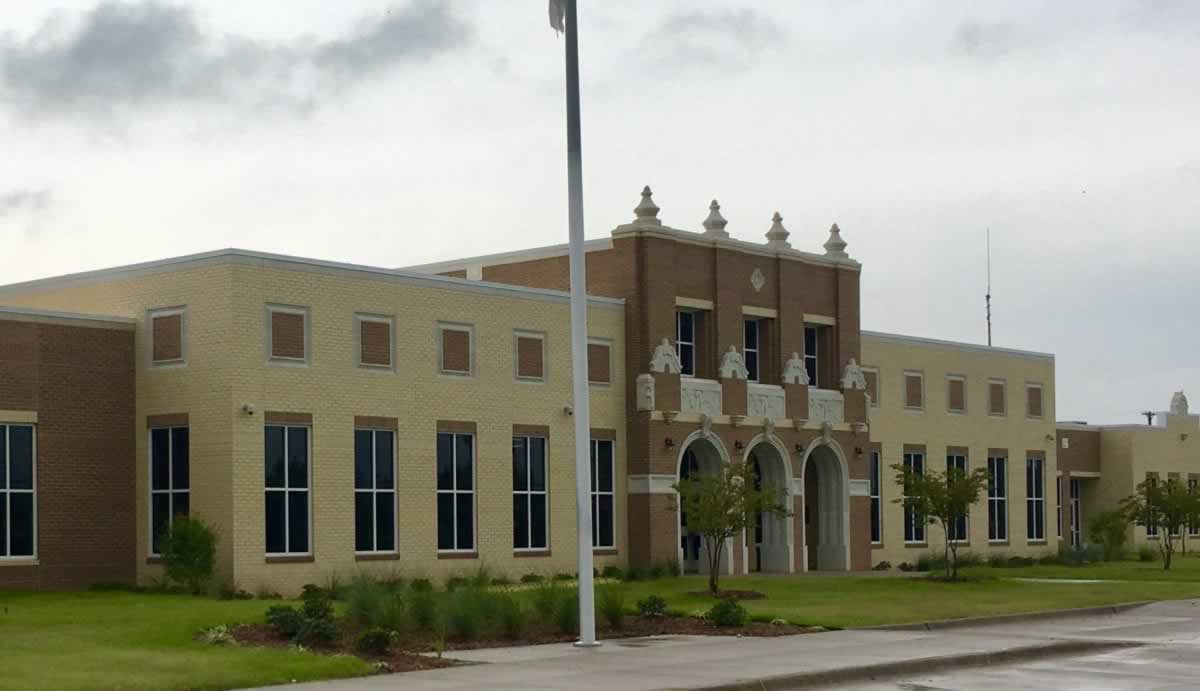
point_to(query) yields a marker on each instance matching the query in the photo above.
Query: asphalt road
(1167, 659)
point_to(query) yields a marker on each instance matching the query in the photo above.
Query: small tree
(189, 552)
(941, 498)
(720, 506)
(1166, 507)
(1110, 529)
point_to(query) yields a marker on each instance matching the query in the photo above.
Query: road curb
(922, 666)
(1010, 618)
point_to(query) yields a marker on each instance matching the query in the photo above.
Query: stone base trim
(651, 484)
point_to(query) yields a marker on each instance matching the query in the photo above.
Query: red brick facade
(79, 380)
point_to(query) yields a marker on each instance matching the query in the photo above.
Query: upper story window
(287, 334)
(914, 390)
(456, 349)
(812, 354)
(997, 403)
(531, 356)
(599, 357)
(956, 394)
(872, 377)
(18, 518)
(1033, 400)
(168, 328)
(751, 348)
(685, 341)
(375, 336)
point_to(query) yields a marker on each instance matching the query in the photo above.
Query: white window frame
(529, 493)
(1035, 497)
(752, 376)
(170, 491)
(8, 491)
(997, 496)
(680, 343)
(596, 494)
(953, 460)
(914, 523)
(268, 336)
(307, 490)
(815, 356)
(518, 334)
(875, 492)
(361, 317)
(374, 492)
(156, 313)
(455, 492)
(1075, 490)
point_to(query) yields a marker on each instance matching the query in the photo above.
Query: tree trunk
(946, 548)
(714, 564)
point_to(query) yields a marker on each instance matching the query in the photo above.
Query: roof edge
(955, 345)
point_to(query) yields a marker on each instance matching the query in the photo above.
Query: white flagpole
(579, 374)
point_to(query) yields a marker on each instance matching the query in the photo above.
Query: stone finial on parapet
(646, 210)
(777, 236)
(835, 246)
(714, 225)
(1179, 404)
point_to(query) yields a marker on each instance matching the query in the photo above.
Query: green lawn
(1183, 568)
(846, 601)
(90, 640)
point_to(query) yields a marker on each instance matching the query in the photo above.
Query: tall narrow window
(812, 354)
(603, 514)
(1193, 485)
(1076, 513)
(169, 480)
(1035, 498)
(1151, 526)
(685, 341)
(1058, 482)
(914, 523)
(958, 527)
(876, 507)
(374, 490)
(456, 492)
(530, 508)
(287, 489)
(751, 349)
(18, 532)
(997, 494)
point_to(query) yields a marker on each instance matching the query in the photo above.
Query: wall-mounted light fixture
(668, 442)
(858, 451)
(799, 447)
(739, 445)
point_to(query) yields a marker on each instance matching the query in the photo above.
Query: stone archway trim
(791, 487)
(723, 453)
(844, 468)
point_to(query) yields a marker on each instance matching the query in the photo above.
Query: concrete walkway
(700, 662)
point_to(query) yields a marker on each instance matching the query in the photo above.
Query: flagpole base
(587, 646)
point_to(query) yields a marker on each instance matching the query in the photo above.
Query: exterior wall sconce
(858, 451)
(669, 442)
(739, 445)
(799, 448)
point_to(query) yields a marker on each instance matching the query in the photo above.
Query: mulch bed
(406, 654)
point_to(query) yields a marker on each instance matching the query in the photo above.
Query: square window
(287, 334)
(914, 390)
(455, 349)
(374, 337)
(168, 334)
(530, 356)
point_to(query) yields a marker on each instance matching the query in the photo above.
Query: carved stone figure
(1179, 404)
(794, 371)
(645, 392)
(768, 427)
(705, 425)
(826, 432)
(853, 377)
(665, 359)
(732, 365)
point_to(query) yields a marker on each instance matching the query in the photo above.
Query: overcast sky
(397, 133)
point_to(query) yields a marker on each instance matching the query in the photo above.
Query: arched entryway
(826, 508)
(700, 455)
(769, 539)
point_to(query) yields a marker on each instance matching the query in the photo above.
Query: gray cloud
(984, 41)
(724, 39)
(32, 201)
(123, 56)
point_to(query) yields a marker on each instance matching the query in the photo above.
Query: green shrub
(423, 609)
(286, 620)
(512, 619)
(613, 572)
(482, 577)
(673, 568)
(652, 606)
(997, 560)
(421, 585)
(455, 582)
(334, 586)
(1109, 529)
(501, 581)
(464, 616)
(374, 641)
(364, 597)
(966, 559)
(566, 612)
(610, 601)
(1080, 556)
(533, 578)
(636, 572)
(545, 600)
(905, 566)
(657, 571)
(264, 593)
(560, 577)
(882, 566)
(317, 631)
(189, 553)
(1146, 553)
(727, 612)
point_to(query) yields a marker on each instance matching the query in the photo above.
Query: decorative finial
(835, 246)
(647, 210)
(1179, 404)
(777, 236)
(714, 225)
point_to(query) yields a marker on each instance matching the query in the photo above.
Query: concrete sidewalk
(699, 662)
